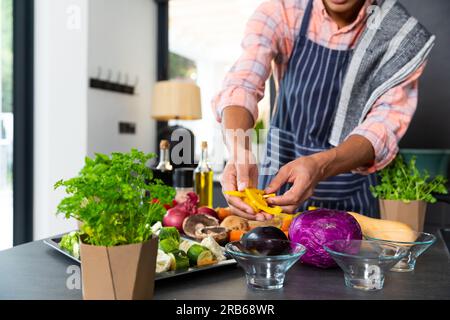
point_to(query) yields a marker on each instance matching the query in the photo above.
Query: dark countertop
(35, 271)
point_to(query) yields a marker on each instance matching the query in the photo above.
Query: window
(204, 41)
(6, 124)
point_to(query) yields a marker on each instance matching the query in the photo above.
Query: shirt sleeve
(244, 84)
(388, 120)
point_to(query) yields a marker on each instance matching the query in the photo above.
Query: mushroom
(219, 234)
(197, 222)
(275, 222)
(235, 223)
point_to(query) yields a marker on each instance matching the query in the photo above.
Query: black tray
(54, 243)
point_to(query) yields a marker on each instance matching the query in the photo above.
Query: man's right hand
(238, 177)
(241, 172)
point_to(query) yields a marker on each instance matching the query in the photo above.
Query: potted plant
(404, 192)
(110, 197)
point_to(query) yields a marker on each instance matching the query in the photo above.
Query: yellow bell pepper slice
(260, 203)
(235, 194)
(247, 201)
(273, 210)
(257, 191)
(256, 198)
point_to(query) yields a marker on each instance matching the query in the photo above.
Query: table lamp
(176, 100)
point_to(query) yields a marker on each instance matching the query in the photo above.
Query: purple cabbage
(314, 229)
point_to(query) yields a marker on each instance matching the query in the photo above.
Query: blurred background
(78, 77)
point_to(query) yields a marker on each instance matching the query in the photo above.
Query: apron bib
(301, 124)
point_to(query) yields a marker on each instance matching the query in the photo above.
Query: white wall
(60, 138)
(122, 38)
(71, 120)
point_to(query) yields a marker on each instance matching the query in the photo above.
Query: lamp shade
(178, 100)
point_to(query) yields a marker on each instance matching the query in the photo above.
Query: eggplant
(265, 241)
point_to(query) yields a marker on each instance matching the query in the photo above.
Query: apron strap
(306, 19)
(303, 33)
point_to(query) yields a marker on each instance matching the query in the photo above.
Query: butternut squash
(385, 229)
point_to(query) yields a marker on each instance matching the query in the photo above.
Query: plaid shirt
(270, 37)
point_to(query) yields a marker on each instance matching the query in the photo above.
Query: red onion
(175, 217)
(208, 211)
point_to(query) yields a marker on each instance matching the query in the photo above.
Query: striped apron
(301, 124)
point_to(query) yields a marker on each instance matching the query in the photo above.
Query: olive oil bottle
(204, 179)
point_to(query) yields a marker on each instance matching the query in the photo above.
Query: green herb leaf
(403, 181)
(111, 197)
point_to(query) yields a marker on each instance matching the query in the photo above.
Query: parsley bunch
(403, 181)
(110, 198)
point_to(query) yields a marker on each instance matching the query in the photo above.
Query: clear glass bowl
(365, 262)
(266, 268)
(420, 242)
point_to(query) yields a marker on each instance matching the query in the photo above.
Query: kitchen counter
(35, 271)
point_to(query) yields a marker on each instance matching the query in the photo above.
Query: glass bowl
(365, 262)
(265, 262)
(418, 244)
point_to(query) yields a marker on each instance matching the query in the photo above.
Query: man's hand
(304, 174)
(238, 177)
(241, 171)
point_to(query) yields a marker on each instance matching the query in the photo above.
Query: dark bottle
(164, 170)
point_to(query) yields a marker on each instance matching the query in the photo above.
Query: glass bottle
(204, 179)
(183, 183)
(164, 170)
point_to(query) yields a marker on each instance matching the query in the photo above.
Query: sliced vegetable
(168, 245)
(71, 243)
(194, 252)
(206, 258)
(163, 262)
(236, 235)
(185, 245)
(252, 205)
(214, 247)
(235, 194)
(222, 213)
(169, 233)
(156, 228)
(179, 260)
(287, 220)
(260, 192)
(256, 199)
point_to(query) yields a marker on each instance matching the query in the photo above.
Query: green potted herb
(404, 192)
(110, 198)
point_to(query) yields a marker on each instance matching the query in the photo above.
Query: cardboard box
(412, 213)
(119, 273)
